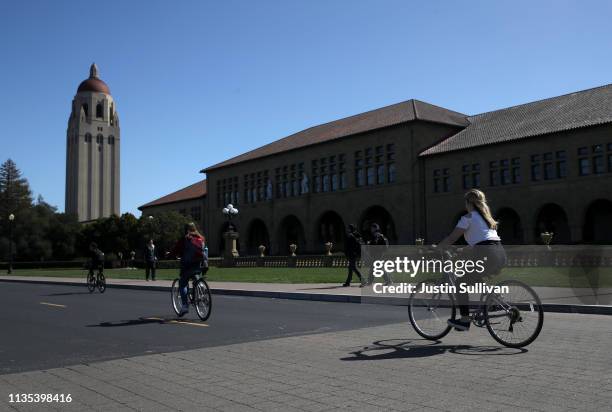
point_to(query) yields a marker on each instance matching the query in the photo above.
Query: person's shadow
(403, 349)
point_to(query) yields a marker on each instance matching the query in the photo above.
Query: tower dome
(93, 84)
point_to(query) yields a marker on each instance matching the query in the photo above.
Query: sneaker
(184, 310)
(458, 324)
(346, 285)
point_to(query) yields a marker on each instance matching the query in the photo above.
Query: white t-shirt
(476, 229)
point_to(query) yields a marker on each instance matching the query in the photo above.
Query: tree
(15, 191)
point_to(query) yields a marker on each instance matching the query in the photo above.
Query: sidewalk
(565, 300)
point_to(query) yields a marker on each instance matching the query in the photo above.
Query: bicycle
(198, 295)
(96, 280)
(505, 315)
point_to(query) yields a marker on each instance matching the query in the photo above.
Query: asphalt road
(47, 326)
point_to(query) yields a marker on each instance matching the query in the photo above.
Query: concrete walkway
(554, 299)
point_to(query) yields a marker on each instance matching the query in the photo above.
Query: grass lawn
(556, 277)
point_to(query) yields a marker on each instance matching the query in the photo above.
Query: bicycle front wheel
(202, 299)
(177, 303)
(514, 318)
(101, 282)
(429, 312)
(91, 282)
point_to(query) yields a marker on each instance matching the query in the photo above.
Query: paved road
(354, 365)
(121, 323)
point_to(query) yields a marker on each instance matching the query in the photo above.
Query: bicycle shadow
(68, 294)
(135, 322)
(406, 349)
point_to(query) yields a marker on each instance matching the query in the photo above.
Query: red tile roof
(193, 191)
(375, 119)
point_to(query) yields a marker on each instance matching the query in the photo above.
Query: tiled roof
(193, 191)
(571, 111)
(376, 119)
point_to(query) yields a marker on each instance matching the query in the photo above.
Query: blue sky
(196, 82)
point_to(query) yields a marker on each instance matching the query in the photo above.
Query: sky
(198, 82)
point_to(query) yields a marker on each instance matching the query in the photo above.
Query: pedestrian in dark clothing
(352, 252)
(378, 239)
(150, 258)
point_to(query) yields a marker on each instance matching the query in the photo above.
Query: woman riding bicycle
(480, 232)
(190, 249)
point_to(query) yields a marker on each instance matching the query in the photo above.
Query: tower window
(111, 139)
(86, 109)
(99, 139)
(99, 111)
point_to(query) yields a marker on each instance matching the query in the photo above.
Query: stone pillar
(231, 251)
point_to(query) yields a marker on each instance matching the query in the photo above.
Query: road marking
(53, 304)
(184, 322)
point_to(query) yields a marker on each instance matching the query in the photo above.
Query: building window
(441, 180)
(99, 111)
(561, 158)
(370, 175)
(359, 171)
(471, 175)
(584, 163)
(99, 139)
(391, 172)
(493, 173)
(516, 170)
(196, 213)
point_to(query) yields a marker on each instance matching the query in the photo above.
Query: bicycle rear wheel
(429, 312)
(91, 282)
(202, 299)
(177, 303)
(101, 282)
(514, 318)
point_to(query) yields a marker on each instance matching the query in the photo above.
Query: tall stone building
(92, 151)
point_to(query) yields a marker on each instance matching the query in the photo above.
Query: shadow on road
(398, 349)
(324, 288)
(131, 322)
(68, 294)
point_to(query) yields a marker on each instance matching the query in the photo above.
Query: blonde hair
(192, 228)
(478, 200)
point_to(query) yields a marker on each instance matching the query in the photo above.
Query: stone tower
(92, 151)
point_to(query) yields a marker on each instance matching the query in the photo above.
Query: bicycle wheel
(177, 303)
(429, 312)
(101, 282)
(91, 282)
(202, 299)
(514, 318)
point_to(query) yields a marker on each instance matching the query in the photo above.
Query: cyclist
(190, 249)
(479, 229)
(96, 258)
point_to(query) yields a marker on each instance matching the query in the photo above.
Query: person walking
(150, 258)
(378, 239)
(352, 251)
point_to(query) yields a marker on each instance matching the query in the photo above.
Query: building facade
(545, 166)
(189, 201)
(93, 152)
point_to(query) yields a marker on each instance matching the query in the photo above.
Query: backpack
(194, 250)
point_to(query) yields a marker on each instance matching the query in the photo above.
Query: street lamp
(230, 211)
(11, 218)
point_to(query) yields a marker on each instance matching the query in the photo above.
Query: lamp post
(231, 251)
(230, 211)
(11, 218)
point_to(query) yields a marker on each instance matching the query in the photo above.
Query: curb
(320, 297)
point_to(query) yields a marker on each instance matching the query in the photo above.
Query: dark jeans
(495, 259)
(187, 273)
(352, 267)
(150, 269)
